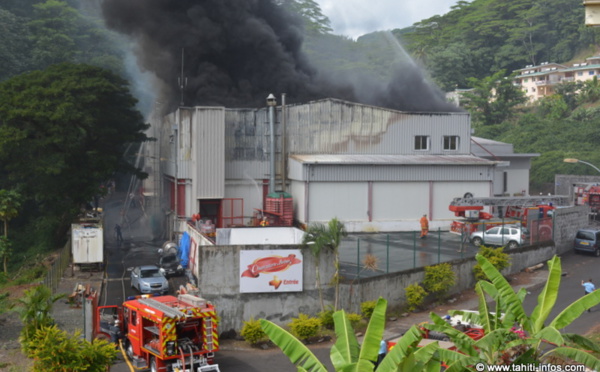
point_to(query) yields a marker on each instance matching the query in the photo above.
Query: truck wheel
(512, 244)
(153, 367)
(477, 242)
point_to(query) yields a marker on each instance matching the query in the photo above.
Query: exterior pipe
(283, 144)
(271, 102)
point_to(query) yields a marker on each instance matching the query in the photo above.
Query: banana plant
(349, 356)
(546, 340)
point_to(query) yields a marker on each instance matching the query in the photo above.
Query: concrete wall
(391, 286)
(563, 183)
(566, 223)
(234, 307)
(218, 278)
(219, 282)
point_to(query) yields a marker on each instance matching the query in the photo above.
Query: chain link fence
(372, 254)
(58, 267)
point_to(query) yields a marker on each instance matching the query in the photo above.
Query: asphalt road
(575, 268)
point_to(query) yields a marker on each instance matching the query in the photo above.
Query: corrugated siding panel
(338, 127)
(167, 148)
(209, 178)
(247, 143)
(186, 164)
(334, 127)
(392, 173)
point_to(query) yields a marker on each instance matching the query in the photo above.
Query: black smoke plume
(236, 52)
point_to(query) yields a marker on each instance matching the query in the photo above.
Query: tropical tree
(500, 345)
(348, 355)
(315, 22)
(335, 232)
(35, 312)
(60, 33)
(63, 132)
(545, 339)
(328, 237)
(590, 92)
(10, 202)
(14, 45)
(493, 98)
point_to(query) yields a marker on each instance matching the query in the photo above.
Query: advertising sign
(271, 271)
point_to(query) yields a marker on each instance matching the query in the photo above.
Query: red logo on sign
(271, 264)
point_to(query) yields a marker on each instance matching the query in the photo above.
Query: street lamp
(572, 160)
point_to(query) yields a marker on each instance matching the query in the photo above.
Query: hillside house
(540, 81)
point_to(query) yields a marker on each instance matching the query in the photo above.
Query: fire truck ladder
(515, 201)
(167, 310)
(208, 333)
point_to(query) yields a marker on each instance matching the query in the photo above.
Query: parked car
(509, 236)
(587, 240)
(149, 279)
(170, 265)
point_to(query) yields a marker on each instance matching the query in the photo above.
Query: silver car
(149, 279)
(509, 236)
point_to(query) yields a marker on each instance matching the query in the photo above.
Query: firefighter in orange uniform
(424, 226)
(264, 222)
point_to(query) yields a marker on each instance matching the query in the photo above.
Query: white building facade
(375, 169)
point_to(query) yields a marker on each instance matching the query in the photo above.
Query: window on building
(591, 72)
(580, 73)
(450, 142)
(526, 80)
(421, 142)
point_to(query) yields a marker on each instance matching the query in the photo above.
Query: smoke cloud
(236, 52)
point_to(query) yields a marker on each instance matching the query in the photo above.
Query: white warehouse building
(373, 168)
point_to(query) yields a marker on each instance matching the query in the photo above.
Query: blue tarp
(184, 250)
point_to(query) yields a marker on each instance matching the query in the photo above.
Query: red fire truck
(509, 210)
(588, 194)
(164, 333)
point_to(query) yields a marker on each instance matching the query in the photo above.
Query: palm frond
(582, 341)
(551, 335)
(374, 333)
(293, 348)
(571, 355)
(548, 296)
(346, 348)
(506, 294)
(575, 309)
(404, 346)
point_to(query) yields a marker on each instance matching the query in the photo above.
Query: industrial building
(373, 168)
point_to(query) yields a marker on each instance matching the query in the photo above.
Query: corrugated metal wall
(209, 172)
(334, 127)
(326, 173)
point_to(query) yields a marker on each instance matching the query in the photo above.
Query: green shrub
(439, 279)
(326, 317)
(252, 332)
(496, 256)
(305, 327)
(366, 308)
(53, 350)
(415, 295)
(354, 319)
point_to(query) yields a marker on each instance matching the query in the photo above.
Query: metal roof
(392, 159)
